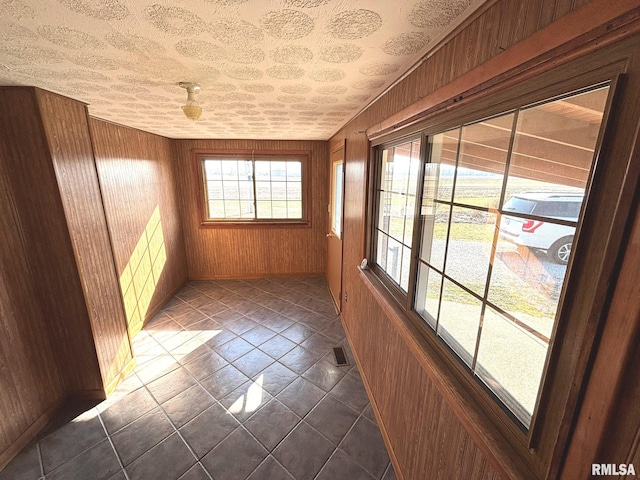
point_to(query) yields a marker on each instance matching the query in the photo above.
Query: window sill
(256, 224)
(486, 436)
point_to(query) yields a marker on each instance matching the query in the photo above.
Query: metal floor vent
(341, 357)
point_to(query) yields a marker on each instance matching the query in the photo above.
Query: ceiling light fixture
(191, 109)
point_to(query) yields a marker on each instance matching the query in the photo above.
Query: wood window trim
(199, 155)
(542, 457)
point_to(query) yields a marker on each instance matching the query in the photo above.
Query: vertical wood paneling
(562, 7)
(608, 428)
(252, 251)
(512, 29)
(42, 216)
(426, 437)
(30, 379)
(136, 178)
(534, 11)
(41, 302)
(66, 128)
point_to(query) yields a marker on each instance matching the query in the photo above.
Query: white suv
(556, 239)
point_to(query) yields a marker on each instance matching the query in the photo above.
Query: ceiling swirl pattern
(274, 69)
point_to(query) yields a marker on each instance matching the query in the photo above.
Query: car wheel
(560, 251)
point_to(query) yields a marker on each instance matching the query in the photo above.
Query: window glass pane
(229, 169)
(263, 170)
(428, 294)
(394, 260)
(263, 190)
(406, 268)
(294, 171)
(434, 235)
(213, 169)
(264, 209)
(397, 208)
(481, 165)
(214, 190)
(336, 214)
(552, 158)
(279, 208)
(409, 212)
(469, 252)
(245, 190)
(294, 191)
(510, 362)
(384, 206)
(459, 320)
(396, 193)
(526, 285)
(216, 209)
(444, 152)
(246, 209)
(278, 171)
(554, 144)
(231, 187)
(400, 163)
(498, 270)
(294, 209)
(232, 209)
(279, 190)
(437, 189)
(231, 190)
(382, 246)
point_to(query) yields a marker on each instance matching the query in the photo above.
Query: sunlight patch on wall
(142, 273)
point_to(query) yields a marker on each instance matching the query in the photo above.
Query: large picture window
(253, 187)
(474, 235)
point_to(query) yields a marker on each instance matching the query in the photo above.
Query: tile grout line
(298, 317)
(40, 460)
(241, 423)
(269, 451)
(176, 430)
(113, 447)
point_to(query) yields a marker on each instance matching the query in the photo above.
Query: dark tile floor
(234, 380)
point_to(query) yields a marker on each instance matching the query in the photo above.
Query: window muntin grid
(253, 189)
(397, 191)
(492, 301)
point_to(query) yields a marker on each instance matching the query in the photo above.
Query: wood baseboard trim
(256, 276)
(374, 406)
(95, 394)
(30, 433)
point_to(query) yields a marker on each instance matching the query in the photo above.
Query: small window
(253, 187)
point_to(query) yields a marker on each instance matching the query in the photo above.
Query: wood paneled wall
(252, 251)
(37, 260)
(425, 433)
(136, 178)
(66, 129)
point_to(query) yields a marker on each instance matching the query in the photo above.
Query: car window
(519, 205)
(558, 209)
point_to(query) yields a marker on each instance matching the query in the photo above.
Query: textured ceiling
(269, 69)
